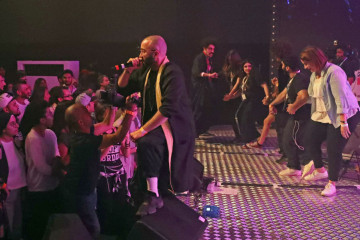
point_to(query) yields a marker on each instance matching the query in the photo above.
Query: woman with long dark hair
(252, 88)
(40, 94)
(231, 72)
(334, 116)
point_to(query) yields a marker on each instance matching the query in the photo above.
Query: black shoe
(150, 204)
(283, 160)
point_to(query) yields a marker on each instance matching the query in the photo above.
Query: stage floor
(258, 204)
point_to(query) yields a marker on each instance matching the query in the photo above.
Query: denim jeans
(85, 208)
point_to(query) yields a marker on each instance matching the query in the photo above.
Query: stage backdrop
(108, 32)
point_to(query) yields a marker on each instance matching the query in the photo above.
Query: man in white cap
(86, 100)
(8, 104)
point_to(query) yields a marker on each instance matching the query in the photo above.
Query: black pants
(281, 119)
(38, 208)
(228, 113)
(152, 156)
(247, 114)
(115, 214)
(293, 141)
(318, 132)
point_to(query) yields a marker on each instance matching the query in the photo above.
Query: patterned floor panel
(267, 206)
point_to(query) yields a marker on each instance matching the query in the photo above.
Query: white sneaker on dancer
(315, 175)
(308, 169)
(290, 172)
(329, 190)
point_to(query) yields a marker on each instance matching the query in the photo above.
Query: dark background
(319, 23)
(108, 32)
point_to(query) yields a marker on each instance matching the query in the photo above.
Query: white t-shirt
(22, 108)
(320, 114)
(17, 177)
(40, 152)
(129, 162)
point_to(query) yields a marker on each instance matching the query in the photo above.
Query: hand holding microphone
(131, 64)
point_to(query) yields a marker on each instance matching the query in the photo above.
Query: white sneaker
(290, 172)
(308, 169)
(315, 175)
(329, 190)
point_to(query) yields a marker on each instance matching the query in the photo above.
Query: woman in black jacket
(252, 89)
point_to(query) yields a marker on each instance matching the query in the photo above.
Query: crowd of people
(71, 149)
(310, 104)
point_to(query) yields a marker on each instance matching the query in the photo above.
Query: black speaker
(66, 227)
(174, 221)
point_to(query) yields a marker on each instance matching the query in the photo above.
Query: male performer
(166, 140)
(203, 99)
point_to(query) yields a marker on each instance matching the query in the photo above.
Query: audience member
(22, 94)
(112, 185)
(68, 79)
(21, 76)
(86, 100)
(83, 171)
(334, 116)
(62, 133)
(12, 172)
(40, 82)
(41, 151)
(8, 104)
(57, 95)
(40, 94)
(104, 82)
(2, 83)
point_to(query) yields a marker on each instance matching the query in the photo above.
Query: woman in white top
(334, 115)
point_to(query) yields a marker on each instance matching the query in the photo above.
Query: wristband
(344, 125)
(143, 131)
(131, 113)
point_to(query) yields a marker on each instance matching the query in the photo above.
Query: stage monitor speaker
(66, 227)
(174, 221)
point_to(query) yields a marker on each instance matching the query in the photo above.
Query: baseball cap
(4, 120)
(83, 99)
(5, 99)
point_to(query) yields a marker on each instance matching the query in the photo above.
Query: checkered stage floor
(258, 204)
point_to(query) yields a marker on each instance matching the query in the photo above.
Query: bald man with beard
(166, 140)
(84, 168)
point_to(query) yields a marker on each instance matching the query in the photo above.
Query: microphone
(123, 66)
